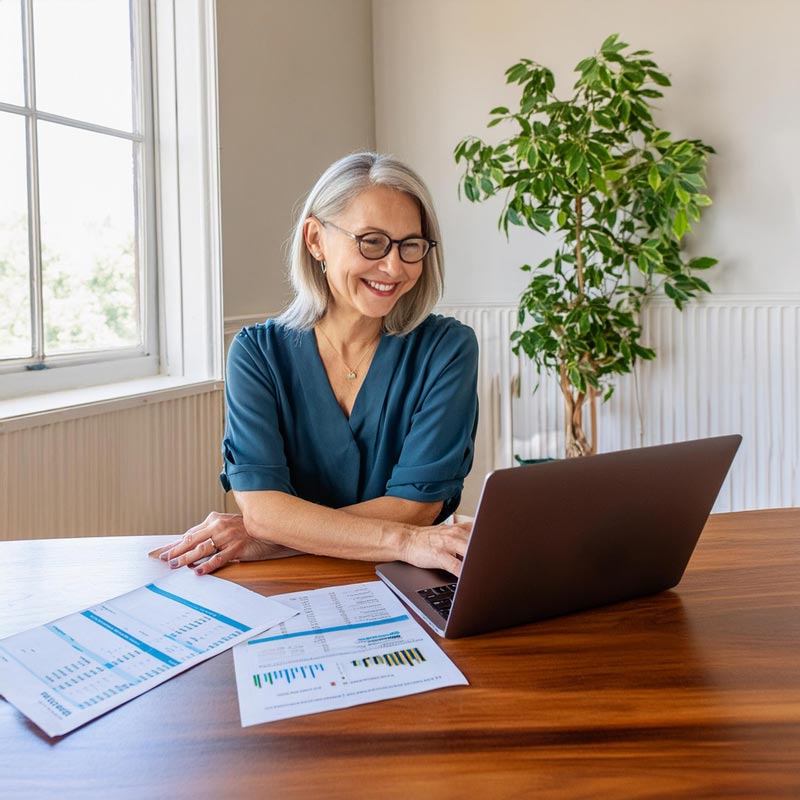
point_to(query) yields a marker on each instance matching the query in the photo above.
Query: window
(109, 262)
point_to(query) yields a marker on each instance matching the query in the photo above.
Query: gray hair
(338, 186)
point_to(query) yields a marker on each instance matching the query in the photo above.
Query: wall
(728, 365)
(735, 69)
(295, 93)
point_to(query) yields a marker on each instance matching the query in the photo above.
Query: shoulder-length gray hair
(334, 191)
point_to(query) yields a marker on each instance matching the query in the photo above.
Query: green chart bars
(306, 672)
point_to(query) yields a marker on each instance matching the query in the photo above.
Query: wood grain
(691, 693)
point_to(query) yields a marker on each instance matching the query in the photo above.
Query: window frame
(182, 308)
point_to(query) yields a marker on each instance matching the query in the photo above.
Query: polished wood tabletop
(694, 692)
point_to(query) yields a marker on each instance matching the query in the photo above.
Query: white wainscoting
(152, 468)
(725, 365)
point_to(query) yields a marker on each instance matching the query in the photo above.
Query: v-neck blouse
(410, 434)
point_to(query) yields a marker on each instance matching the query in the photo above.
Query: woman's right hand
(222, 539)
(437, 547)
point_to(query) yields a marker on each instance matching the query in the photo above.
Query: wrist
(395, 540)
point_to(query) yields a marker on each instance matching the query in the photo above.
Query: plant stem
(578, 249)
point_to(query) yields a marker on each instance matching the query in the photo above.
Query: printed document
(65, 673)
(347, 645)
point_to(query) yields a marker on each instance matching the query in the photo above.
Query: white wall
(295, 93)
(735, 67)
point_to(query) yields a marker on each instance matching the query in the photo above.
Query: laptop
(563, 536)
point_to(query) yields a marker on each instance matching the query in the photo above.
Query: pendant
(351, 376)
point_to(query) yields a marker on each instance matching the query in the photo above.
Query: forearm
(397, 509)
(292, 522)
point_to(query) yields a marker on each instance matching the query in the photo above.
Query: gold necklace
(351, 373)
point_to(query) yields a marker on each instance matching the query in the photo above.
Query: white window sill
(45, 409)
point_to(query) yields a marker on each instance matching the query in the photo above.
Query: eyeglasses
(374, 244)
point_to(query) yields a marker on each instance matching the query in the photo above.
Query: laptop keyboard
(440, 597)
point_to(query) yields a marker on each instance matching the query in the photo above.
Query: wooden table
(691, 693)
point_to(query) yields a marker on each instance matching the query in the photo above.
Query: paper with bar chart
(65, 673)
(348, 645)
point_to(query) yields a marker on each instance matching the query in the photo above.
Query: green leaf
(575, 160)
(499, 110)
(599, 183)
(469, 189)
(682, 194)
(612, 175)
(659, 77)
(561, 218)
(608, 43)
(702, 263)
(680, 224)
(513, 217)
(513, 74)
(653, 178)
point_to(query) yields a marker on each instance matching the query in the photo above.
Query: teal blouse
(411, 432)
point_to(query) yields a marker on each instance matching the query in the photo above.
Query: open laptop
(554, 538)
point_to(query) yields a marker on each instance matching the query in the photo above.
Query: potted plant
(620, 192)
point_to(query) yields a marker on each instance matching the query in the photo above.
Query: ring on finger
(213, 544)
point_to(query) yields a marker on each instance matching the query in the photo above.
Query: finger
(188, 542)
(204, 549)
(165, 548)
(217, 560)
(451, 564)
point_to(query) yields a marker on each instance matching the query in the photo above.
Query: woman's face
(370, 288)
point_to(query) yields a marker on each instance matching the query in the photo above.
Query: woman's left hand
(222, 539)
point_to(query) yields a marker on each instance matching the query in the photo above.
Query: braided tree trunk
(576, 443)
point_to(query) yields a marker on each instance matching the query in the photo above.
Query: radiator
(726, 365)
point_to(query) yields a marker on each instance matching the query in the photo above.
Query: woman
(351, 417)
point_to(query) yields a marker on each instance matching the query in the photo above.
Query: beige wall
(735, 67)
(295, 93)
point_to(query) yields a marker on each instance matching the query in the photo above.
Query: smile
(381, 288)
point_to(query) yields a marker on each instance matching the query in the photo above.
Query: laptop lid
(563, 536)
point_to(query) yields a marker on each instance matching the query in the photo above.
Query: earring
(324, 266)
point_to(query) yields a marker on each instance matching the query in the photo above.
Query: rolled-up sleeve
(253, 449)
(438, 451)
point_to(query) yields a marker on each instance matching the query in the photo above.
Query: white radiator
(727, 365)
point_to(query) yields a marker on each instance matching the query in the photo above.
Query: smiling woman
(351, 418)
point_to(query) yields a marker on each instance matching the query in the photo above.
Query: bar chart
(399, 658)
(288, 675)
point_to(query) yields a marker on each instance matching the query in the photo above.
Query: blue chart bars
(289, 674)
(399, 658)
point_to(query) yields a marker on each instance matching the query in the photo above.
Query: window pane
(12, 88)
(15, 303)
(88, 218)
(83, 60)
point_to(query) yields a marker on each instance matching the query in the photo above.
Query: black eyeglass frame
(358, 237)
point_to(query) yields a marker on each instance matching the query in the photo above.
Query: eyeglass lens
(377, 245)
